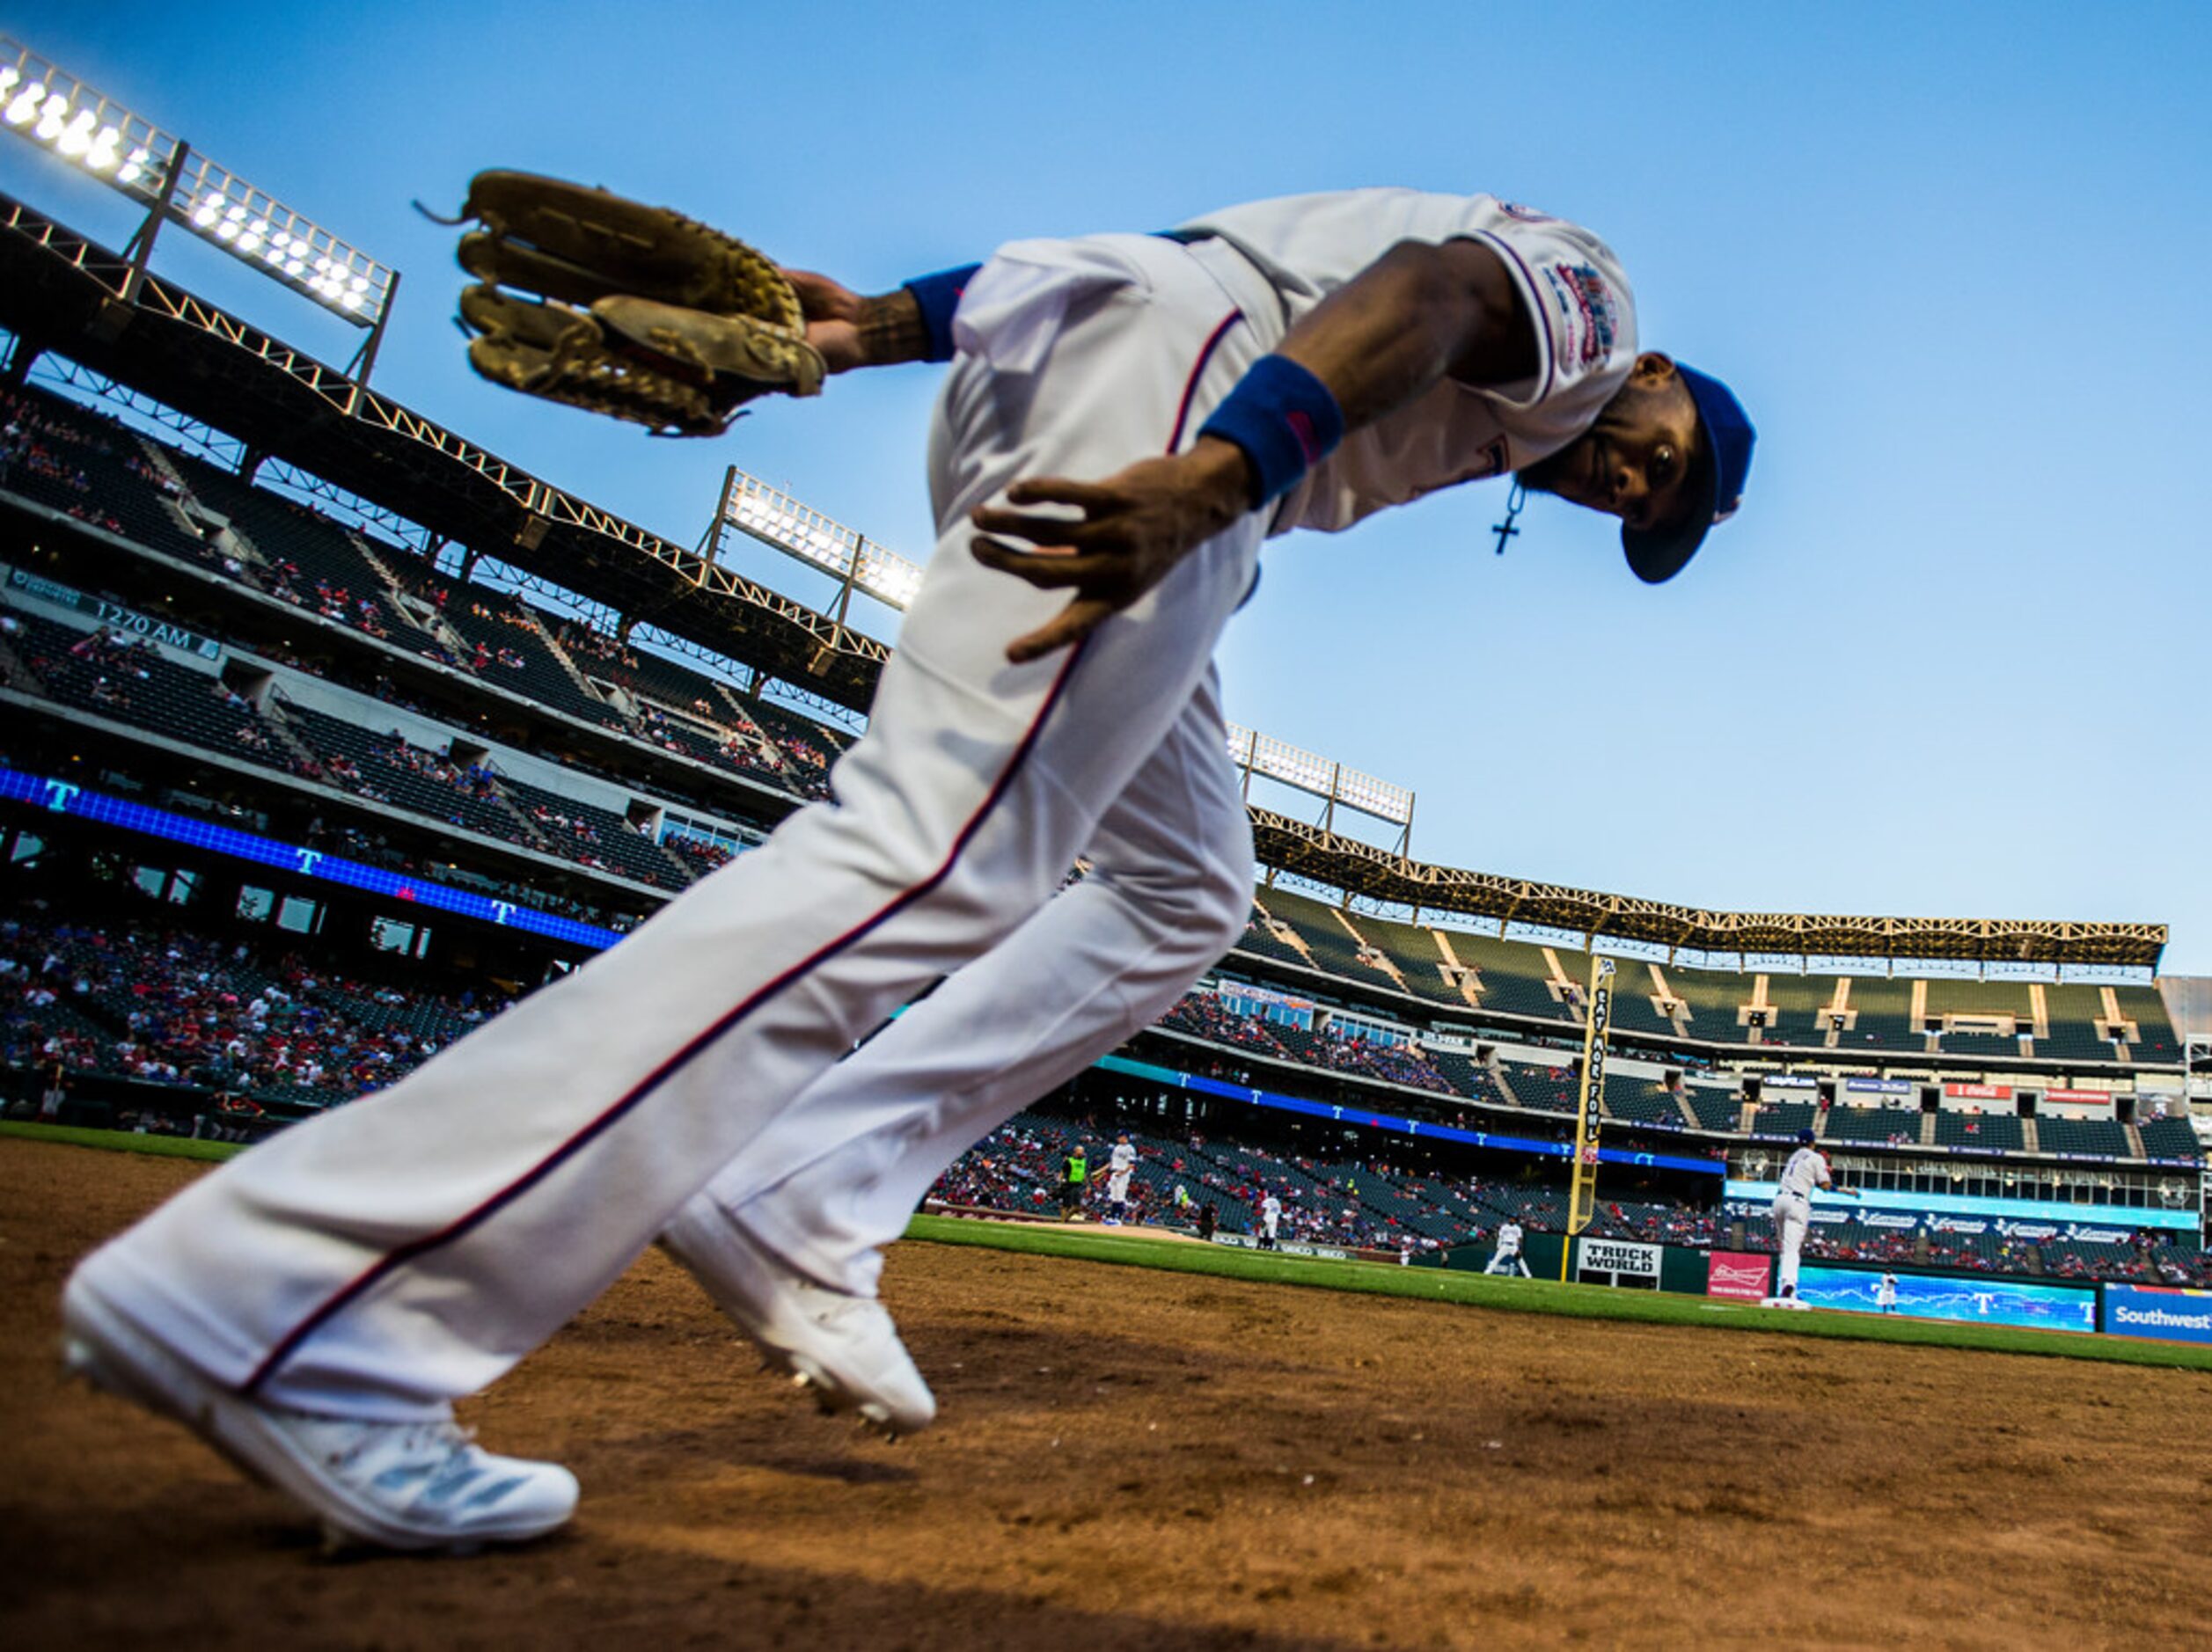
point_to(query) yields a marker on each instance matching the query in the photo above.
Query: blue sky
(1952, 659)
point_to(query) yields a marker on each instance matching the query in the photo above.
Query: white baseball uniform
(1507, 1256)
(390, 1255)
(836, 1177)
(1119, 1165)
(1807, 1170)
(1271, 1214)
(1885, 1293)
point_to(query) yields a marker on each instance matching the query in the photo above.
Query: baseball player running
(1507, 1256)
(1125, 418)
(1807, 1169)
(1121, 1163)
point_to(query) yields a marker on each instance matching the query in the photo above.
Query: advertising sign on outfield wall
(1616, 1260)
(2159, 1311)
(1742, 1274)
(1978, 1301)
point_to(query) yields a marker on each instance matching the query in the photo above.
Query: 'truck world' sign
(1613, 1260)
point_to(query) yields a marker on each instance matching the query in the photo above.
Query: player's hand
(833, 312)
(1136, 525)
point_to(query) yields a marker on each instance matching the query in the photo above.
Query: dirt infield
(1132, 1458)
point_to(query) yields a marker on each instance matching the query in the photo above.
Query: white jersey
(1509, 1237)
(1886, 1292)
(1271, 1209)
(1806, 1171)
(1309, 245)
(1121, 1158)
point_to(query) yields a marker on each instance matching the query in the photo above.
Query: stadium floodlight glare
(776, 519)
(1317, 776)
(49, 106)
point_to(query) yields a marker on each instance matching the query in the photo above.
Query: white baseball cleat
(842, 1347)
(421, 1486)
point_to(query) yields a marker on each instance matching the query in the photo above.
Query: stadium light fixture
(1320, 777)
(781, 522)
(47, 105)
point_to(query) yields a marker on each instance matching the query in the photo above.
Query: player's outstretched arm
(852, 331)
(1417, 315)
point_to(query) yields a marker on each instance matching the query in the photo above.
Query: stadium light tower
(782, 522)
(1339, 787)
(45, 105)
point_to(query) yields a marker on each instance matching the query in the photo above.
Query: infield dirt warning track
(1151, 1460)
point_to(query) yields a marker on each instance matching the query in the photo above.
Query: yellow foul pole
(1582, 1196)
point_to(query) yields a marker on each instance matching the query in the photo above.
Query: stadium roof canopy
(59, 292)
(1361, 869)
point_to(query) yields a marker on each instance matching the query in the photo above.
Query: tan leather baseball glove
(625, 309)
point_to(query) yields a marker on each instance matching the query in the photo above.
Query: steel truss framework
(60, 292)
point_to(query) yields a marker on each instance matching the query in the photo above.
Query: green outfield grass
(122, 1141)
(1383, 1279)
(1540, 1296)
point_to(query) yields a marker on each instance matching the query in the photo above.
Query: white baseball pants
(1504, 1262)
(1792, 1214)
(837, 1176)
(411, 1247)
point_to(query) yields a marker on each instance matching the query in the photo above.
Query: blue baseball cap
(1658, 554)
(1806, 1136)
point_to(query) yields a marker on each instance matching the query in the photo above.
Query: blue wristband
(938, 296)
(1283, 418)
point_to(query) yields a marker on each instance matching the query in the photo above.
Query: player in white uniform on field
(1807, 1169)
(1120, 1164)
(1270, 1216)
(1126, 418)
(1885, 1293)
(1507, 1256)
